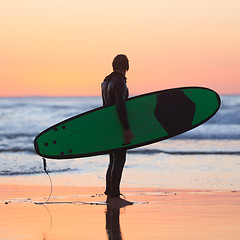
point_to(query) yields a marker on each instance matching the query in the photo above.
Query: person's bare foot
(117, 202)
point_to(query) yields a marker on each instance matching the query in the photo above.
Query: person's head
(120, 63)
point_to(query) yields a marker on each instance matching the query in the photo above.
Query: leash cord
(45, 169)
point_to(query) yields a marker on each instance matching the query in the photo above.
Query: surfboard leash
(45, 169)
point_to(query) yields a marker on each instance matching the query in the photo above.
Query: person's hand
(128, 135)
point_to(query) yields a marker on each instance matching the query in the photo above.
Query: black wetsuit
(115, 91)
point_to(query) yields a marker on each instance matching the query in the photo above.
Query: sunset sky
(66, 47)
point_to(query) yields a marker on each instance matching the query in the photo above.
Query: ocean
(207, 157)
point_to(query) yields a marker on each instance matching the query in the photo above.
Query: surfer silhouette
(115, 91)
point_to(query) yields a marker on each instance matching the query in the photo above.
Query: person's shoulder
(108, 77)
(119, 78)
(115, 78)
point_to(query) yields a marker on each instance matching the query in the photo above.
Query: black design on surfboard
(177, 116)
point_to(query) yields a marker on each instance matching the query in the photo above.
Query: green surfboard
(152, 117)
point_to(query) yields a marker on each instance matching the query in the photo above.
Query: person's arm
(120, 89)
(128, 135)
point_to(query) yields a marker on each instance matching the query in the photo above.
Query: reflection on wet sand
(45, 234)
(113, 224)
(192, 214)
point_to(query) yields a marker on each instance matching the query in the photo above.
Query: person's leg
(108, 175)
(119, 159)
(116, 165)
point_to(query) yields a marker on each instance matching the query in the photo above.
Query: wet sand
(80, 213)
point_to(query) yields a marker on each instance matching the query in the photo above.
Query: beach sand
(80, 213)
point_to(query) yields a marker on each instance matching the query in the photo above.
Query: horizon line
(76, 96)
(46, 96)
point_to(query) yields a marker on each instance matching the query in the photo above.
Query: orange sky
(66, 47)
